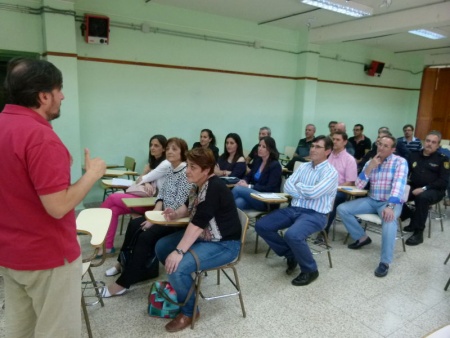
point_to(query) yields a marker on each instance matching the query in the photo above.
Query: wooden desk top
(108, 166)
(131, 202)
(109, 184)
(118, 173)
(271, 197)
(157, 218)
(352, 190)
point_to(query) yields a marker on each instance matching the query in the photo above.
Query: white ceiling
(386, 29)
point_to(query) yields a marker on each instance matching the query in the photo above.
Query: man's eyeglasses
(315, 146)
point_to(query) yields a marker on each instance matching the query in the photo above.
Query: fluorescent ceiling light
(342, 6)
(433, 34)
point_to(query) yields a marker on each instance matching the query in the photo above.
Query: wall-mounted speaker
(96, 29)
(375, 68)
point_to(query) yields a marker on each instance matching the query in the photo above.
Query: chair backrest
(95, 222)
(406, 192)
(243, 218)
(129, 163)
(297, 164)
(289, 151)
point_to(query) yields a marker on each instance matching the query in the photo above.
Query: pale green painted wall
(120, 106)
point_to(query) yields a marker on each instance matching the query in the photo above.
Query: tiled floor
(345, 301)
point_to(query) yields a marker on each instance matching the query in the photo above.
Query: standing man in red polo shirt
(39, 253)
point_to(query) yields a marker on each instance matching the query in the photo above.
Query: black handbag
(126, 258)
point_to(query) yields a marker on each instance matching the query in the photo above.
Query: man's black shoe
(415, 239)
(357, 244)
(319, 239)
(304, 278)
(291, 265)
(408, 228)
(382, 270)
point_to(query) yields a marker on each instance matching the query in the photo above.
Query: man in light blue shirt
(313, 188)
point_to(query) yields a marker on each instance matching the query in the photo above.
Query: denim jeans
(301, 223)
(210, 254)
(367, 205)
(245, 201)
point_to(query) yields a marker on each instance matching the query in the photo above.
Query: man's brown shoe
(180, 322)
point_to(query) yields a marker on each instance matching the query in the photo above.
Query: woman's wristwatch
(181, 252)
(391, 205)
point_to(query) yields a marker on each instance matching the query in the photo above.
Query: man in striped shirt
(313, 188)
(387, 174)
(411, 142)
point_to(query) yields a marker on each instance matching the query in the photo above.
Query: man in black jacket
(429, 174)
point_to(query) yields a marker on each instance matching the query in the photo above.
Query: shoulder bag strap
(191, 290)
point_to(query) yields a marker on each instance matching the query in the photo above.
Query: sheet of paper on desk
(122, 182)
(351, 188)
(270, 195)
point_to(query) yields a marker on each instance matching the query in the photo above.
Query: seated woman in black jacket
(207, 140)
(232, 162)
(265, 176)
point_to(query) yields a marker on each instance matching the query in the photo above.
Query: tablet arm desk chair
(95, 223)
(232, 265)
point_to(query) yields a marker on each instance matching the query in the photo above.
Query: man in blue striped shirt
(313, 188)
(411, 142)
(387, 174)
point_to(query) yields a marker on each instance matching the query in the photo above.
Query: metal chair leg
(121, 224)
(439, 212)
(429, 223)
(440, 216)
(198, 282)
(448, 257)
(325, 237)
(96, 287)
(238, 286)
(86, 317)
(402, 237)
(446, 285)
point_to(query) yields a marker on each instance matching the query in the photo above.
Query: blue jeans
(210, 254)
(301, 223)
(367, 205)
(245, 201)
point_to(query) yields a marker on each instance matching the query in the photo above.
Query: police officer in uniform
(429, 175)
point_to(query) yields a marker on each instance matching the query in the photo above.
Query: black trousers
(139, 268)
(422, 204)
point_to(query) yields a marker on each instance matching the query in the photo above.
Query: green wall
(114, 108)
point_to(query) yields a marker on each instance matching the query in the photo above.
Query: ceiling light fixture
(342, 6)
(429, 33)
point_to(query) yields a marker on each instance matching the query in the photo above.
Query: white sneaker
(112, 272)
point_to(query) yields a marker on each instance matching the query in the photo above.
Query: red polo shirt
(34, 162)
